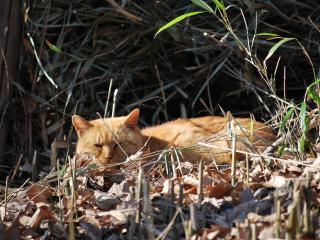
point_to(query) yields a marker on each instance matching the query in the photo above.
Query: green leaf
(317, 81)
(276, 46)
(203, 5)
(268, 34)
(303, 117)
(176, 20)
(280, 152)
(286, 118)
(313, 94)
(219, 4)
(302, 142)
(62, 171)
(53, 47)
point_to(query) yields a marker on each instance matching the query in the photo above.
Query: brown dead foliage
(141, 205)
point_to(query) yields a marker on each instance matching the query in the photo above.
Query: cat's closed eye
(119, 145)
(98, 145)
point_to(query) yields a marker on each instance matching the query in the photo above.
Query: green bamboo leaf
(219, 4)
(276, 46)
(53, 47)
(303, 117)
(302, 142)
(176, 20)
(286, 118)
(280, 152)
(268, 34)
(203, 5)
(317, 81)
(311, 92)
(62, 171)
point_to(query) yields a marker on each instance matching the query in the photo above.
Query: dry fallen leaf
(92, 227)
(13, 209)
(278, 182)
(314, 168)
(42, 213)
(29, 233)
(38, 192)
(190, 180)
(104, 202)
(215, 232)
(118, 217)
(12, 232)
(246, 196)
(24, 220)
(266, 233)
(219, 190)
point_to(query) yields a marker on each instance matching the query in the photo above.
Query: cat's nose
(107, 159)
(107, 154)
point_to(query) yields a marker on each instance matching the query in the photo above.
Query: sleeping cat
(112, 140)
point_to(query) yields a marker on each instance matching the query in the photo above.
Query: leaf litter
(107, 207)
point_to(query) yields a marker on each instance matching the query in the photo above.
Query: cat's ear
(132, 119)
(80, 124)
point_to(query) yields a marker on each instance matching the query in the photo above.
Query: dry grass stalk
(6, 198)
(194, 218)
(253, 231)
(307, 220)
(200, 186)
(147, 210)
(108, 98)
(139, 195)
(277, 207)
(72, 204)
(34, 167)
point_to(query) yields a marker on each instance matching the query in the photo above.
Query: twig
(39, 62)
(270, 149)
(194, 217)
(138, 195)
(16, 168)
(200, 186)
(233, 159)
(34, 166)
(108, 97)
(114, 102)
(6, 198)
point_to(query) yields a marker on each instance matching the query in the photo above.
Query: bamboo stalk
(200, 181)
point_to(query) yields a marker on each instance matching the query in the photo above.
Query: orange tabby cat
(111, 140)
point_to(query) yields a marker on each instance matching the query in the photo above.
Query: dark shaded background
(164, 77)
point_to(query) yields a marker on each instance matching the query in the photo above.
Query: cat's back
(210, 123)
(185, 131)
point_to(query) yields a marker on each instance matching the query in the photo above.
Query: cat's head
(110, 140)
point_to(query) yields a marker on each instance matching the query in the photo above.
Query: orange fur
(111, 140)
